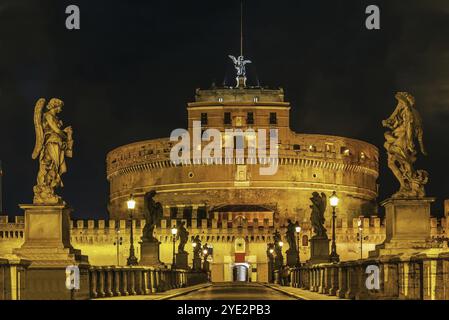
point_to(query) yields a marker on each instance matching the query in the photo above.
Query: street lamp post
(334, 257)
(281, 244)
(271, 263)
(132, 260)
(118, 243)
(206, 255)
(174, 231)
(360, 236)
(298, 230)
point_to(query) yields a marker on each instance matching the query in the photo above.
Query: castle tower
(306, 163)
(1, 188)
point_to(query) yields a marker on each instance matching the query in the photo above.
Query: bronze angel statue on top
(405, 127)
(240, 65)
(53, 144)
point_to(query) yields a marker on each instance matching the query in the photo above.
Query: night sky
(129, 72)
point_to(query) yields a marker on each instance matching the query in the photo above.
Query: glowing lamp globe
(131, 203)
(334, 200)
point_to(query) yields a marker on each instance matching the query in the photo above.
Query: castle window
(273, 118)
(220, 99)
(227, 118)
(329, 147)
(256, 99)
(312, 148)
(187, 214)
(362, 156)
(203, 118)
(173, 212)
(296, 147)
(305, 240)
(250, 118)
(201, 213)
(345, 151)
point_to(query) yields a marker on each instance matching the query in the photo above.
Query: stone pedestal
(292, 258)
(149, 254)
(278, 262)
(181, 260)
(47, 246)
(319, 250)
(197, 264)
(407, 224)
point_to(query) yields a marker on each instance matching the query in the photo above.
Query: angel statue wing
(323, 204)
(38, 127)
(233, 59)
(247, 61)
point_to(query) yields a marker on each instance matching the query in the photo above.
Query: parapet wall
(88, 231)
(98, 238)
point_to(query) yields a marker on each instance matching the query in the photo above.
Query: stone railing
(125, 281)
(12, 278)
(412, 278)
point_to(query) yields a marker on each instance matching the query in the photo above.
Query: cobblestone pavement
(235, 291)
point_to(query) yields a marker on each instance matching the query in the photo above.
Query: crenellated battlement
(213, 230)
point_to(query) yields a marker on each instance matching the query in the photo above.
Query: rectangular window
(250, 118)
(227, 118)
(173, 212)
(273, 118)
(345, 151)
(204, 119)
(296, 147)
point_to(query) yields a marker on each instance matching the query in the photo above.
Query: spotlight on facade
(174, 231)
(271, 250)
(205, 251)
(194, 245)
(281, 244)
(298, 229)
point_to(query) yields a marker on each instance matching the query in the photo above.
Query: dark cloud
(129, 72)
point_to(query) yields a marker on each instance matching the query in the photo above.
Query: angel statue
(183, 236)
(318, 207)
(239, 64)
(53, 144)
(153, 214)
(405, 126)
(291, 236)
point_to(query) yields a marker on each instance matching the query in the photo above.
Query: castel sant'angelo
(231, 206)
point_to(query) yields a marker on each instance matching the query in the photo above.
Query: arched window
(305, 240)
(1, 234)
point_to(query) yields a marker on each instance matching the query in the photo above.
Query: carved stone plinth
(407, 224)
(149, 254)
(292, 258)
(319, 250)
(197, 264)
(182, 261)
(47, 246)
